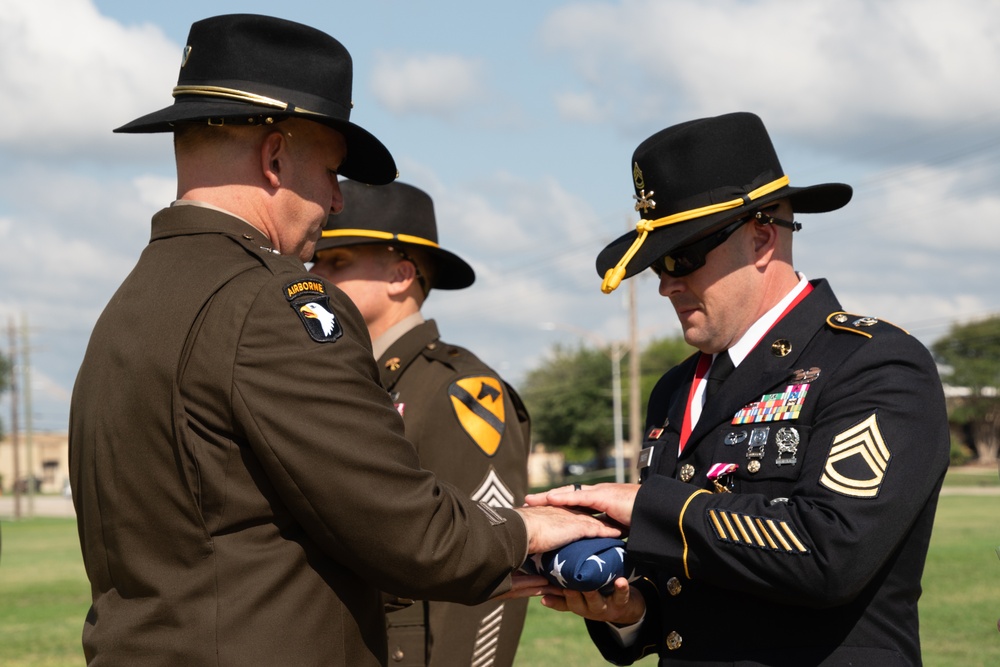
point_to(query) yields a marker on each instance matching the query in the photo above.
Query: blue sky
(520, 119)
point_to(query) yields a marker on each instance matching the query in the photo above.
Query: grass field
(44, 593)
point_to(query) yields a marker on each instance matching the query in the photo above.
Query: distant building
(544, 468)
(48, 457)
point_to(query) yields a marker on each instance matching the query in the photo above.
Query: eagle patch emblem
(857, 461)
(478, 405)
(309, 300)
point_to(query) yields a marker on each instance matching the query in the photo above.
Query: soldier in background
(468, 425)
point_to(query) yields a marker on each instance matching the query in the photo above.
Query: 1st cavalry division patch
(857, 461)
(478, 404)
(310, 302)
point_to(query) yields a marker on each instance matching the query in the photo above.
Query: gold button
(674, 641)
(687, 472)
(674, 586)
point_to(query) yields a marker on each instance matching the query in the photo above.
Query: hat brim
(450, 270)
(368, 160)
(810, 199)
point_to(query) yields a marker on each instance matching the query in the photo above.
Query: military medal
(755, 449)
(721, 475)
(735, 437)
(787, 439)
(805, 376)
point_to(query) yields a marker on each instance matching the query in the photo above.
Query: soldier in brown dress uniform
(242, 482)
(468, 425)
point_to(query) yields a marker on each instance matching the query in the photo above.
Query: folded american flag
(585, 565)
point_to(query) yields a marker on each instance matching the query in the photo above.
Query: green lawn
(44, 594)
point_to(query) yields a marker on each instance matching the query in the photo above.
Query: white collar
(748, 341)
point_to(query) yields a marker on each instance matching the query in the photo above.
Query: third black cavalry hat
(248, 69)
(396, 213)
(694, 178)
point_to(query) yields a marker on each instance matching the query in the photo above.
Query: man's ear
(403, 275)
(273, 151)
(765, 240)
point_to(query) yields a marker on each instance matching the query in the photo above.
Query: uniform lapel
(402, 352)
(765, 368)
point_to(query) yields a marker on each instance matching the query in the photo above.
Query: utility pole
(28, 427)
(634, 423)
(13, 416)
(616, 401)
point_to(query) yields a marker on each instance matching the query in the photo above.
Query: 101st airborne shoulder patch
(857, 462)
(478, 404)
(309, 300)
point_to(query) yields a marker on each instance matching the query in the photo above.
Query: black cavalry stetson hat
(396, 213)
(248, 69)
(694, 178)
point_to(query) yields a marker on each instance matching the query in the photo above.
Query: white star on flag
(557, 570)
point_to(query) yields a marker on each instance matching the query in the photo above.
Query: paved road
(42, 506)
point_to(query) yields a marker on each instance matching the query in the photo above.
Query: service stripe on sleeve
(755, 531)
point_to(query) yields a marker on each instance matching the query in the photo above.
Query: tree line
(569, 395)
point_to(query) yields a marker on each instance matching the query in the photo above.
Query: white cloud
(811, 67)
(155, 191)
(580, 107)
(427, 84)
(532, 244)
(70, 76)
(71, 240)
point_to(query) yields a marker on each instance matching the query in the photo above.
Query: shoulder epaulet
(441, 351)
(863, 325)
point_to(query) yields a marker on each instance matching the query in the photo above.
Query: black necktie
(722, 368)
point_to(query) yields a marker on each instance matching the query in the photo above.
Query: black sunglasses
(688, 259)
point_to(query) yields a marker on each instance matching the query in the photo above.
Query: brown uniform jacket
(471, 429)
(242, 483)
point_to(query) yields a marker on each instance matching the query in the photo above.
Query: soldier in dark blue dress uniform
(791, 467)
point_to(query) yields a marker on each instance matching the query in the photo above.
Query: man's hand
(615, 500)
(528, 586)
(553, 527)
(624, 606)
